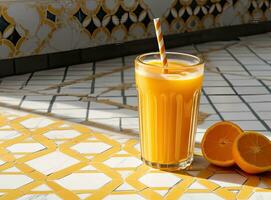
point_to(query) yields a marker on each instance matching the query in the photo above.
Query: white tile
(98, 114)
(218, 90)
(69, 105)
(71, 113)
(96, 106)
(115, 122)
(113, 93)
(12, 169)
(203, 196)
(59, 71)
(250, 60)
(37, 122)
(9, 134)
(231, 107)
(225, 99)
(38, 98)
(251, 90)
(213, 77)
(123, 162)
(36, 104)
(76, 77)
(39, 197)
(124, 197)
(91, 147)
(14, 103)
(13, 181)
(130, 123)
(45, 77)
(257, 67)
(67, 98)
(25, 147)
(238, 75)
(242, 82)
(207, 108)
(264, 115)
(203, 99)
(85, 84)
(74, 90)
(40, 87)
(43, 82)
(10, 97)
(60, 134)
(238, 116)
(260, 196)
(52, 162)
(82, 181)
(108, 81)
(261, 106)
(159, 180)
(250, 125)
(207, 83)
(261, 73)
(257, 98)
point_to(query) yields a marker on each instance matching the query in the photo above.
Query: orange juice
(168, 108)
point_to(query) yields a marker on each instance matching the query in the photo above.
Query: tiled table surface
(237, 87)
(46, 158)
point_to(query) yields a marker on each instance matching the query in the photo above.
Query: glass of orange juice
(168, 108)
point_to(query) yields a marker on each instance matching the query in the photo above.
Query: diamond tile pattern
(65, 171)
(237, 87)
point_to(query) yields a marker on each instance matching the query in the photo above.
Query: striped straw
(161, 44)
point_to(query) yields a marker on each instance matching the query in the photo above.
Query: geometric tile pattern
(38, 27)
(237, 87)
(66, 169)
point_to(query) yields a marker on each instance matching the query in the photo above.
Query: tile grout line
(91, 90)
(24, 85)
(266, 87)
(93, 81)
(58, 90)
(246, 103)
(124, 100)
(263, 84)
(123, 82)
(212, 105)
(206, 95)
(244, 67)
(252, 51)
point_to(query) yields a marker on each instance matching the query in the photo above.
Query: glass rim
(199, 59)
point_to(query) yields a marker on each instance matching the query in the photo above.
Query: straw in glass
(161, 44)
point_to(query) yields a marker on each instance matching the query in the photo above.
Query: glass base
(169, 167)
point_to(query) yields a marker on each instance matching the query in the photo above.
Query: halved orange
(217, 143)
(252, 152)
